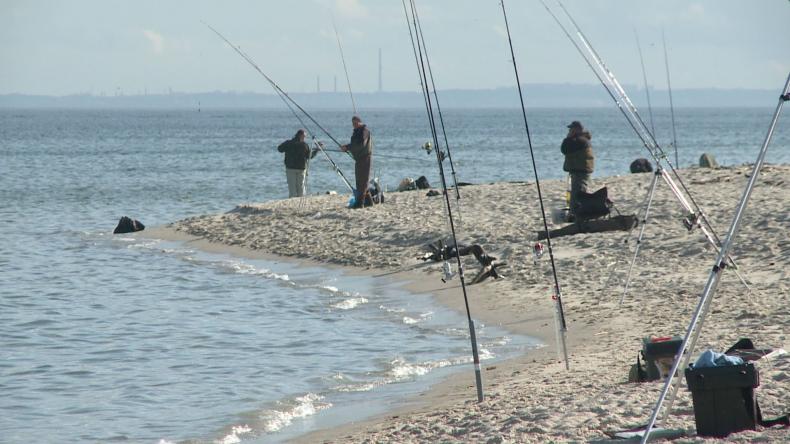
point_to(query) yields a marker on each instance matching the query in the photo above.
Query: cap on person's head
(356, 119)
(576, 125)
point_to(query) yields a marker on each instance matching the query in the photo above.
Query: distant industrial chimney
(380, 85)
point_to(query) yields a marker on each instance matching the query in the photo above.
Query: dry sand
(533, 398)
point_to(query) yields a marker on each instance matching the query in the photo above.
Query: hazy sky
(65, 47)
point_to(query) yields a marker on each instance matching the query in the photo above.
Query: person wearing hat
(297, 154)
(579, 161)
(361, 149)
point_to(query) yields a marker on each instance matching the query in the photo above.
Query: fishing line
(416, 59)
(343, 58)
(698, 213)
(425, 91)
(421, 37)
(563, 328)
(434, 134)
(283, 96)
(635, 113)
(415, 159)
(627, 108)
(671, 105)
(275, 86)
(417, 50)
(644, 76)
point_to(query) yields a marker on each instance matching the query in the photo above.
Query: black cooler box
(723, 398)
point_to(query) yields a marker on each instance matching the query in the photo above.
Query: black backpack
(592, 205)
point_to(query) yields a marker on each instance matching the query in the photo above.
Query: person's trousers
(579, 182)
(362, 176)
(295, 182)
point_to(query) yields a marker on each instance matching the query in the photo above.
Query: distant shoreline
(537, 96)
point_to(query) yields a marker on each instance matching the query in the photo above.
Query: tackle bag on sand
(592, 205)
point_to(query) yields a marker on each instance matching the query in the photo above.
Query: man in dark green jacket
(297, 153)
(579, 160)
(361, 149)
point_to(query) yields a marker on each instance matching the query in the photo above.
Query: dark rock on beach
(128, 225)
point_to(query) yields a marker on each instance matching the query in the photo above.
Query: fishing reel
(447, 271)
(428, 147)
(691, 221)
(537, 252)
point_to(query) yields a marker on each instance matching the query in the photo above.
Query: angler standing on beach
(361, 149)
(297, 153)
(579, 161)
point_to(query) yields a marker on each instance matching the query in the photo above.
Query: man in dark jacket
(297, 153)
(361, 149)
(579, 160)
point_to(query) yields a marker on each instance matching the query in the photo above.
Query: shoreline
(532, 398)
(453, 388)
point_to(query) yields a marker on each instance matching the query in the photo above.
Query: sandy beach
(533, 398)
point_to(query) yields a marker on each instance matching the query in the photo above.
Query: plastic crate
(723, 398)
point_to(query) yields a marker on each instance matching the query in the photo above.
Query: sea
(119, 338)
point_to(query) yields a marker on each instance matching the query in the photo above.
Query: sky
(155, 46)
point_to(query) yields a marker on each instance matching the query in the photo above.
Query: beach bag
(128, 225)
(422, 183)
(641, 166)
(407, 184)
(592, 205)
(637, 373)
(376, 193)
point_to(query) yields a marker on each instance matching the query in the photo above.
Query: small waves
(242, 268)
(272, 420)
(422, 317)
(234, 437)
(300, 407)
(255, 304)
(400, 370)
(348, 304)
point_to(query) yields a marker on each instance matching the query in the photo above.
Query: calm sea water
(116, 338)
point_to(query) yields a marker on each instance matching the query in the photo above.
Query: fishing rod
(644, 76)
(415, 159)
(421, 38)
(283, 96)
(416, 59)
(671, 105)
(434, 134)
(424, 89)
(630, 111)
(696, 217)
(562, 327)
(343, 58)
(703, 306)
